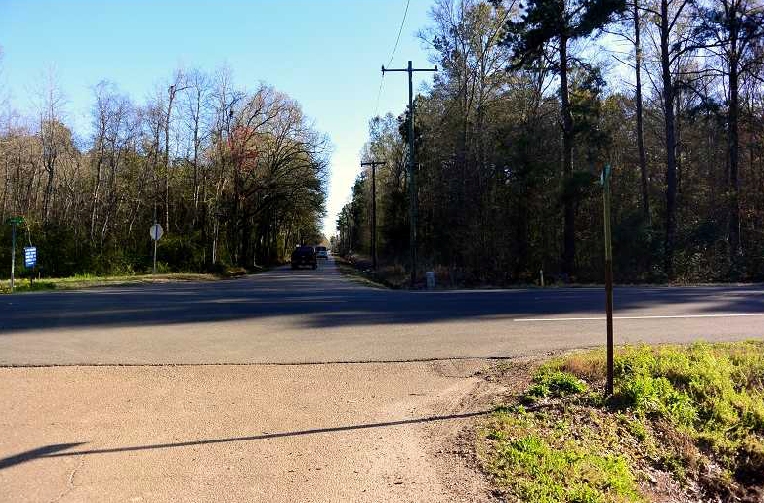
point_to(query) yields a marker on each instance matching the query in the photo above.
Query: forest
(531, 100)
(235, 177)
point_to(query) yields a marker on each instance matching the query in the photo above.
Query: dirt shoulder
(338, 432)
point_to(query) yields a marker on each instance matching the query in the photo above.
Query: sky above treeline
(325, 54)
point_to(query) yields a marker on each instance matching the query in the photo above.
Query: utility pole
(608, 278)
(373, 165)
(412, 177)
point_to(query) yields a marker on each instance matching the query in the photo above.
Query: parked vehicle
(304, 256)
(321, 252)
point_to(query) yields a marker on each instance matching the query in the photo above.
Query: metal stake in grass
(13, 222)
(605, 180)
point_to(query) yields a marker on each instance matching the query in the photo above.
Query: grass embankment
(88, 280)
(686, 423)
(360, 270)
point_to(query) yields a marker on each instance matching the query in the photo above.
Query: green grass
(88, 281)
(694, 413)
(539, 464)
(548, 382)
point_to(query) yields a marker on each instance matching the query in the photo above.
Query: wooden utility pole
(608, 278)
(412, 177)
(373, 165)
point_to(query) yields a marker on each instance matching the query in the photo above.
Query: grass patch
(540, 464)
(689, 416)
(89, 281)
(554, 383)
(359, 274)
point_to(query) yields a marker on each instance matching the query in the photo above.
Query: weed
(696, 412)
(553, 383)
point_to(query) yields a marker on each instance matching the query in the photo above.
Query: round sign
(156, 232)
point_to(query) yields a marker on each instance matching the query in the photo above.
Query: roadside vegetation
(359, 269)
(684, 423)
(508, 152)
(235, 176)
(90, 280)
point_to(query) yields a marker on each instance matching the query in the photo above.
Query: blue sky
(324, 53)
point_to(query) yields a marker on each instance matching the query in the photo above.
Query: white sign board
(156, 232)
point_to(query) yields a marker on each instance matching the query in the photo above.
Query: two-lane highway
(288, 316)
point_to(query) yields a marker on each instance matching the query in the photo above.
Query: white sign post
(156, 232)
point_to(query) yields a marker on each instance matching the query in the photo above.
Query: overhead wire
(392, 56)
(398, 38)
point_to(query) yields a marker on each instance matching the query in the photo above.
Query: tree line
(236, 178)
(533, 99)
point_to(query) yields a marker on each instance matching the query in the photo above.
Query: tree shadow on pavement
(52, 451)
(307, 300)
(40, 452)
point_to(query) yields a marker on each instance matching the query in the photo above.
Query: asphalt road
(309, 316)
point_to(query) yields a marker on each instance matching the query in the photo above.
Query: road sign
(156, 232)
(15, 221)
(605, 175)
(30, 257)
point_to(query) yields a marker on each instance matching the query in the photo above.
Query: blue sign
(30, 257)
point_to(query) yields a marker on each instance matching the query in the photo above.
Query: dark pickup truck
(304, 256)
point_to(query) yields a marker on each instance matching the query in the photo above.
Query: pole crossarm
(433, 69)
(411, 163)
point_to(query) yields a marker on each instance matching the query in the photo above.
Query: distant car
(321, 252)
(304, 256)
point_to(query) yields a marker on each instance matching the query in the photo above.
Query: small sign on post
(156, 233)
(30, 257)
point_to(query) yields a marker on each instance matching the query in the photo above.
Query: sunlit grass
(693, 412)
(90, 280)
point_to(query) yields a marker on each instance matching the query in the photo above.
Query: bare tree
(52, 133)
(197, 96)
(178, 84)
(669, 20)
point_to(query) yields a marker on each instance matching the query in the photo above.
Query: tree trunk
(735, 248)
(569, 230)
(668, 111)
(640, 122)
(171, 93)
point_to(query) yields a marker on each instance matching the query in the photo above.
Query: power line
(392, 55)
(379, 94)
(398, 38)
